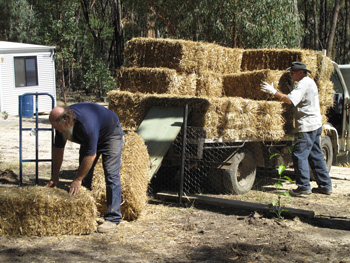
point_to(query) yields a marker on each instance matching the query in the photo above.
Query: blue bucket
(27, 106)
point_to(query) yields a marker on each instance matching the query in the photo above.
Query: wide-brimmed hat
(298, 66)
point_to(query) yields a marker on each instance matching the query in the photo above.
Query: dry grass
(40, 211)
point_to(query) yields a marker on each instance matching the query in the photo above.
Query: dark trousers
(111, 151)
(307, 151)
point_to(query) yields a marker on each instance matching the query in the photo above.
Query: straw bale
(40, 211)
(133, 178)
(156, 80)
(325, 68)
(278, 59)
(182, 55)
(132, 108)
(239, 118)
(209, 84)
(247, 84)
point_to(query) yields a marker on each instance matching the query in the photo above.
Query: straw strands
(156, 80)
(247, 84)
(242, 118)
(182, 55)
(40, 211)
(133, 178)
(278, 59)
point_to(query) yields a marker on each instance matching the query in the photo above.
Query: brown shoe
(106, 227)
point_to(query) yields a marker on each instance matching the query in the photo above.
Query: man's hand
(74, 187)
(266, 87)
(52, 183)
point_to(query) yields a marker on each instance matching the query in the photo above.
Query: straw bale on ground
(278, 59)
(242, 118)
(247, 84)
(133, 178)
(156, 80)
(40, 211)
(182, 55)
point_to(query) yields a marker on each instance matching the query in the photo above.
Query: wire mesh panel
(212, 167)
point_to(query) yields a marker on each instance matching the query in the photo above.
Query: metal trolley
(36, 133)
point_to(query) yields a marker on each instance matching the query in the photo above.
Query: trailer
(231, 166)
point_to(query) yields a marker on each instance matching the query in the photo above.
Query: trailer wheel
(327, 151)
(239, 179)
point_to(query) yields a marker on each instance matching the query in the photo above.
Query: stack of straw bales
(40, 211)
(221, 86)
(133, 178)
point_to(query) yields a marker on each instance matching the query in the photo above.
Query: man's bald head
(61, 118)
(55, 114)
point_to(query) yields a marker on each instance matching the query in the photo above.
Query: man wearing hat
(307, 148)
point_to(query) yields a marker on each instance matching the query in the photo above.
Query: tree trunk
(63, 83)
(118, 33)
(346, 57)
(323, 21)
(298, 41)
(316, 35)
(333, 27)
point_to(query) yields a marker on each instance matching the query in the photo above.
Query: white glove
(268, 88)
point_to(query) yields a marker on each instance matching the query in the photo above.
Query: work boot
(299, 192)
(106, 227)
(324, 191)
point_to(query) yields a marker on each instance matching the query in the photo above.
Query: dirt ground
(169, 232)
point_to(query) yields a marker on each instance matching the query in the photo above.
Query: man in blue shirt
(98, 132)
(307, 148)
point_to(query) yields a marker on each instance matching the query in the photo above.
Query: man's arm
(57, 159)
(283, 97)
(84, 168)
(266, 87)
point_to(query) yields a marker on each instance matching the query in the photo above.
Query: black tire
(327, 151)
(239, 179)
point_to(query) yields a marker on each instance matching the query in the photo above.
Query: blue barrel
(27, 106)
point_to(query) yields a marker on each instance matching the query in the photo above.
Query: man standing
(307, 148)
(98, 132)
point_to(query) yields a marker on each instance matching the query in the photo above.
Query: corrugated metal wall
(46, 82)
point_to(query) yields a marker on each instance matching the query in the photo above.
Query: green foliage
(269, 24)
(17, 21)
(276, 204)
(246, 24)
(4, 115)
(98, 78)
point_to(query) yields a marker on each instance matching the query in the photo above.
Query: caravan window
(26, 73)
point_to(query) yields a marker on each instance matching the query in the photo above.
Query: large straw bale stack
(156, 80)
(245, 119)
(133, 178)
(247, 84)
(278, 59)
(40, 211)
(182, 55)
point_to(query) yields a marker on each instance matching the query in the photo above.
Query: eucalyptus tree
(235, 23)
(17, 21)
